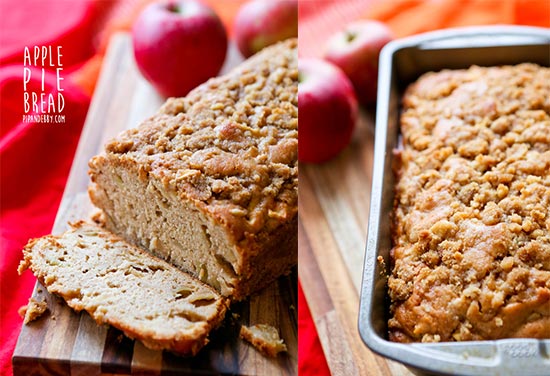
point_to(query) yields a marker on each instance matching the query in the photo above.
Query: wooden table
(334, 206)
(63, 342)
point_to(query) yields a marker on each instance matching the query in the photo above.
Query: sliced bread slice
(123, 286)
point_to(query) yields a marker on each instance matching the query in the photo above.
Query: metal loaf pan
(402, 62)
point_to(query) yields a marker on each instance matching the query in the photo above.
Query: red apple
(261, 23)
(178, 44)
(327, 110)
(356, 50)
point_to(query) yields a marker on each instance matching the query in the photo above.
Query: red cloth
(35, 158)
(311, 359)
(29, 23)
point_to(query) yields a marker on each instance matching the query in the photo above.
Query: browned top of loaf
(472, 221)
(231, 144)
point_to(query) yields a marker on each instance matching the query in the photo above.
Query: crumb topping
(231, 143)
(471, 225)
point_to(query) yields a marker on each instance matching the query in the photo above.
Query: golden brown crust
(231, 145)
(471, 226)
(116, 283)
(225, 155)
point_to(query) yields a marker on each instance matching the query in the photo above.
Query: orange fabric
(320, 19)
(86, 77)
(406, 17)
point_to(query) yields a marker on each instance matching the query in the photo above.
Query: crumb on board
(33, 310)
(265, 338)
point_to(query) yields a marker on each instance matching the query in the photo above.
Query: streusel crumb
(471, 225)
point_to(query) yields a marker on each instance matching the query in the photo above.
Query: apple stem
(173, 7)
(350, 36)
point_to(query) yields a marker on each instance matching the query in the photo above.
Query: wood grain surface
(333, 208)
(63, 342)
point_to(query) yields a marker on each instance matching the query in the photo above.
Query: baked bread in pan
(471, 219)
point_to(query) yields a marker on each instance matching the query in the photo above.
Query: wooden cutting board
(62, 342)
(333, 210)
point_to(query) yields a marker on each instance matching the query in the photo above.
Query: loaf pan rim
(421, 356)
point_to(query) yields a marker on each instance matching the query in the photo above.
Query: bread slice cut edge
(123, 286)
